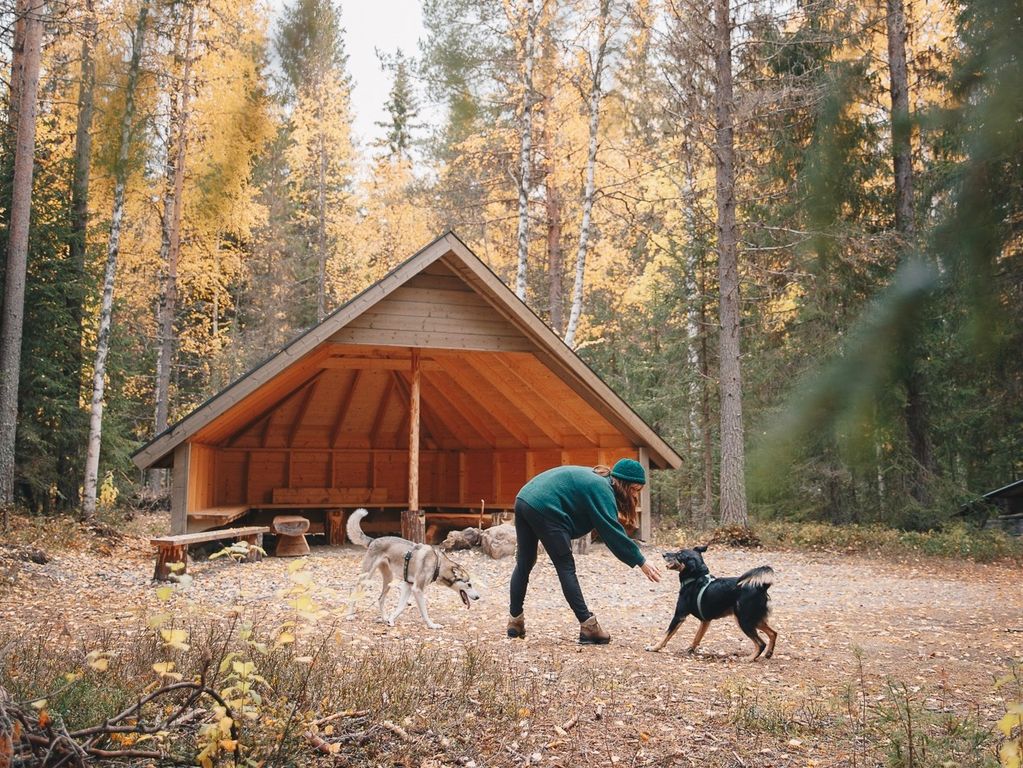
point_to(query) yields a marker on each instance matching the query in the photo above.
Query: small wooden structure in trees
(1001, 508)
(432, 395)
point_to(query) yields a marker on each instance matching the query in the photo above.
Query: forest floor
(872, 655)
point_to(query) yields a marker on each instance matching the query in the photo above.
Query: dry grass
(359, 694)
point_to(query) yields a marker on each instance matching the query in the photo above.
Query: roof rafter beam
(435, 424)
(541, 402)
(378, 419)
(268, 413)
(343, 407)
(501, 383)
(504, 411)
(302, 410)
(466, 413)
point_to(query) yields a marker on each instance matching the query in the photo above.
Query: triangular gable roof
(547, 347)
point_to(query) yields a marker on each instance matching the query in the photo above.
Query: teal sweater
(584, 501)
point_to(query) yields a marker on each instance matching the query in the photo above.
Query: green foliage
(956, 541)
(309, 41)
(917, 732)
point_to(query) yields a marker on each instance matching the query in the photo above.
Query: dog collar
(408, 556)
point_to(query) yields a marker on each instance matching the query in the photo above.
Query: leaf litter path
(846, 624)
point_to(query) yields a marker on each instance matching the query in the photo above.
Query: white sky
(371, 25)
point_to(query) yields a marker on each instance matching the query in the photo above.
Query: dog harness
(707, 579)
(408, 556)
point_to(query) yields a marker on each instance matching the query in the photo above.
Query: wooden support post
(167, 554)
(180, 482)
(413, 525)
(335, 520)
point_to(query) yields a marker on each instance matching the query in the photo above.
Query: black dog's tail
(762, 577)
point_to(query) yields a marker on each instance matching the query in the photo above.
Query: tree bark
(526, 147)
(69, 469)
(171, 230)
(901, 131)
(321, 223)
(170, 245)
(733, 481)
(915, 411)
(170, 241)
(553, 205)
(591, 166)
(113, 248)
(17, 248)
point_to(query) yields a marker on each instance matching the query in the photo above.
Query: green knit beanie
(629, 471)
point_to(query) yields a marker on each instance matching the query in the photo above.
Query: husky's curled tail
(355, 534)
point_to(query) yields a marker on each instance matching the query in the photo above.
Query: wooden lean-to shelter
(429, 398)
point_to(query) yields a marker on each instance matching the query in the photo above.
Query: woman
(565, 503)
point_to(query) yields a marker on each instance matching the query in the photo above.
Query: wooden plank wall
(435, 309)
(234, 476)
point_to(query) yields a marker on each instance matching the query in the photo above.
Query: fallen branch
(337, 715)
(396, 729)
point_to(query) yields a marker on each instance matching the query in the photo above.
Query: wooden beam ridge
(295, 350)
(343, 408)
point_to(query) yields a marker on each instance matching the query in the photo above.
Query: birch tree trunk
(553, 204)
(591, 166)
(17, 249)
(526, 147)
(170, 241)
(733, 470)
(113, 248)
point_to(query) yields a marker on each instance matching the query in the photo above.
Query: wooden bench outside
(174, 549)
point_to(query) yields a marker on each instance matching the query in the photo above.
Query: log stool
(290, 530)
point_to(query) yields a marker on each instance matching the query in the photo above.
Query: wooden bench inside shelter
(214, 517)
(174, 549)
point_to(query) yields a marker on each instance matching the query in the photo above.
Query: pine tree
(310, 44)
(401, 106)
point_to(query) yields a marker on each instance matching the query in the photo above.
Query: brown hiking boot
(517, 626)
(590, 633)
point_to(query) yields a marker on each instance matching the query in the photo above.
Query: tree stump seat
(291, 530)
(174, 549)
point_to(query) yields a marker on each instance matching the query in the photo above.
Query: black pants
(532, 527)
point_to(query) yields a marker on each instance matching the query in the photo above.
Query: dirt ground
(856, 636)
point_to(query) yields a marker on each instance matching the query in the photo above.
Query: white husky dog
(416, 565)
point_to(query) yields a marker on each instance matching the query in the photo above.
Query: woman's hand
(651, 571)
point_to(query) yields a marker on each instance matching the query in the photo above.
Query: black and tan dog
(708, 598)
